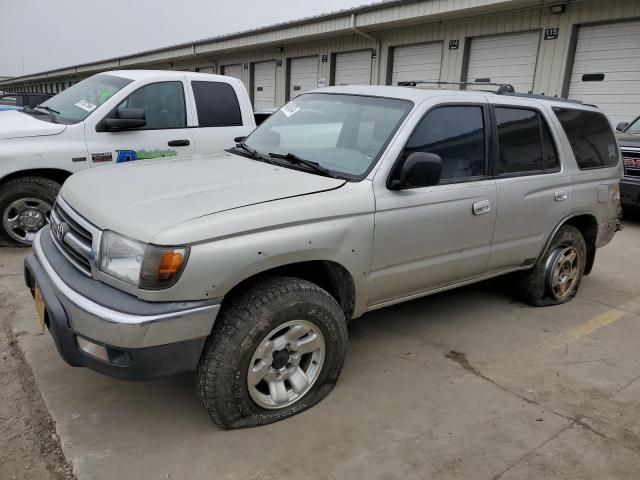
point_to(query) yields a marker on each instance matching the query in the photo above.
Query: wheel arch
(329, 275)
(56, 174)
(587, 224)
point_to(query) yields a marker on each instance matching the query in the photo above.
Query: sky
(62, 33)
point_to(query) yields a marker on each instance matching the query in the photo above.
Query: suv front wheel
(556, 278)
(276, 350)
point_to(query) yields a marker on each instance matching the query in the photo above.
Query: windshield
(634, 127)
(342, 133)
(76, 103)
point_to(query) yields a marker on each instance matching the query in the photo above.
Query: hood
(140, 199)
(15, 124)
(628, 139)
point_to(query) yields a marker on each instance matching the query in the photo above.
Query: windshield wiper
(291, 158)
(51, 111)
(254, 153)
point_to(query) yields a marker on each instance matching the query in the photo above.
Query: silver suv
(247, 265)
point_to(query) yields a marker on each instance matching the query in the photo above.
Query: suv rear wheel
(25, 205)
(276, 350)
(557, 276)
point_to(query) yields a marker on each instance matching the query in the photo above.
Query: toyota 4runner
(247, 265)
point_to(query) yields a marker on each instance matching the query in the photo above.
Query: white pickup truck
(113, 117)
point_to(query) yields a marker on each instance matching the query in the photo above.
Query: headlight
(139, 264)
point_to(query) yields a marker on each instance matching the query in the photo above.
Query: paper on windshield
(290, 108)
(87, 106)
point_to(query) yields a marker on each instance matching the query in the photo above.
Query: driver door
(430, 237)
(166, 133)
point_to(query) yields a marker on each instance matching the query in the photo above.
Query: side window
(163, 105)
(591, 137)
(217, 104)
(525, 142)
(457, 135)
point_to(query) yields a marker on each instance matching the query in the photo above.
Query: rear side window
(591, 137)
(217, 104)
(457, 135)
(525, 142)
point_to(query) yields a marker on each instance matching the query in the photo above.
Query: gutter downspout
(377, 42)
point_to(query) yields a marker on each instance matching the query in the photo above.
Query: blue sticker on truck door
(133, 155)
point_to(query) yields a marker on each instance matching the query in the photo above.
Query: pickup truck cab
(17, 101)
(114, 117)
(248, 264)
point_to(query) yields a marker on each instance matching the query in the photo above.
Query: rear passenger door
(166, 134)
(219, 116)
(430, 237)
(534, 191)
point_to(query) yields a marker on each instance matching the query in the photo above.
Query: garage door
(509, 58)
(303, 75)
(264, 85)
(353, 68)
(416, 62)
(610, 55)
(206, 70)
(234, 71)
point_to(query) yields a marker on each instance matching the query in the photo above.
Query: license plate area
(41, 309)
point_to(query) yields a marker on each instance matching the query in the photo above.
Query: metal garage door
(509, 58)
(264, 85)
(353, 68)
(206, 70)
(303, 75)
(416, 62)
(612, 50)
(234, 71)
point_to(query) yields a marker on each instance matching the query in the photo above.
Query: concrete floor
(532, 393)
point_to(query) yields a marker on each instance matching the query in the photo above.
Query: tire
(271, 309)
(539, 287)
(27, 194)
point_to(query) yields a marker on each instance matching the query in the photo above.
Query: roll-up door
(606, 69)
(508, 58)
(353, 68)
(416, 62)
(234, 71)
(303, 75)
(264, 85)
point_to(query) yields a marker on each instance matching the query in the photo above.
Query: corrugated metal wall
(391, 27)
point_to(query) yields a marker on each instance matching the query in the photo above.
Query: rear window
(591, 137)
(217, 104)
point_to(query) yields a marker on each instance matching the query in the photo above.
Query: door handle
(481, 207)
(561, 195)
(178, 143)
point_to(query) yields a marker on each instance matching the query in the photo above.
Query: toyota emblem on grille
(61, 230)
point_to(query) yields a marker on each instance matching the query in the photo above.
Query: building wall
(331, 36)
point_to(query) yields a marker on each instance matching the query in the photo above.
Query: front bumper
(630, 193)
(143, 339)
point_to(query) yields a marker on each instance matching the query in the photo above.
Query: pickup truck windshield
(634, 127)
(76, 103)
(342, 133)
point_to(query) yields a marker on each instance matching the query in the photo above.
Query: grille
(631, 163)
(71, 238)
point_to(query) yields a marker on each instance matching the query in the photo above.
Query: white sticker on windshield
(83, 104)
(290, 108)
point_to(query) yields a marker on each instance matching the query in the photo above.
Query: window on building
(163, 105)
(457, 135)
(525, 142)
(216, 104)
(591, 137)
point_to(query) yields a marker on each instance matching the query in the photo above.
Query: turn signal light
(162, 266)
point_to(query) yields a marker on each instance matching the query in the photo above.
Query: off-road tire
(532, 286)
(36, 187)
(240, 327)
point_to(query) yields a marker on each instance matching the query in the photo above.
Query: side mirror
(127, 119)
(622, 126)
(420, 169)
(239, 139)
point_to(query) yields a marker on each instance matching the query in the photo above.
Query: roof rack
(542, 96)
(503, 88)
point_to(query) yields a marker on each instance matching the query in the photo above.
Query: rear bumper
(143, 340)
(630, 193)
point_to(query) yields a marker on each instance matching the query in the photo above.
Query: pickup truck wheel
(557, 277)
(25, 205)
(276, 350)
